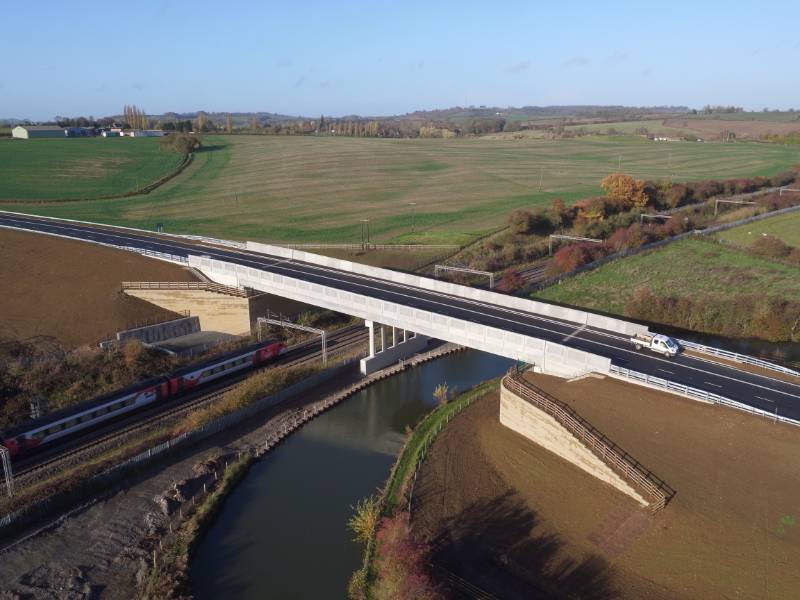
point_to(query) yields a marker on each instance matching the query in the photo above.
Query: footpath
(95, 552)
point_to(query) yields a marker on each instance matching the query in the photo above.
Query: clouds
(577, 61)
(519, 67)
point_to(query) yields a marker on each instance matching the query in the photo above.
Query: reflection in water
(282, 533)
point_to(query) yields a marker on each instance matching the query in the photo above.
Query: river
(282, 532)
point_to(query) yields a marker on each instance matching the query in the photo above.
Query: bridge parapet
(548, 356)
(580, 317)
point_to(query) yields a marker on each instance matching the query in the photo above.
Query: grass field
(688, 269)
(318, 189)
(785, 227)
(52, 169)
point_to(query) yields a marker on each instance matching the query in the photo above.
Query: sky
(347, 57)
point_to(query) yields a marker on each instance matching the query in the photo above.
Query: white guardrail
(621, 372)
(216, 241)
(153, 253)
(742, 358)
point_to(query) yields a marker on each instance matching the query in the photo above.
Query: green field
(785, 227)
(686, 269)
(319, 188)
(53, 169)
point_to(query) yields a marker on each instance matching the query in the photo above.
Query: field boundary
(187, 160)
(598, 443)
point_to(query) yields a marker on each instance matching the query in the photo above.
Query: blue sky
(378, 58)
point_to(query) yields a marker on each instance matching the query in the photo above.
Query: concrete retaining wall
(567, 362)
(394, 354)
(541, 428)
(512, 302)
(161, 331)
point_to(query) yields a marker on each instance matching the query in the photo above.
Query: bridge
(554, 339)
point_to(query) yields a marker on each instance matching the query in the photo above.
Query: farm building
(144, 133)
(26, 132)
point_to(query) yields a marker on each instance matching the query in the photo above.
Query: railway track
(113, 434)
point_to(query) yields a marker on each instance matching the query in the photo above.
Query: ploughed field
(318, 189)
(520, 522)
(57, 169)
(70, 290)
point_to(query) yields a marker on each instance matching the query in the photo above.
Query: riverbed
(283, 532)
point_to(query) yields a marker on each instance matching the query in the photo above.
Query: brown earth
(713, 128)
(70, 290)
(521, 522)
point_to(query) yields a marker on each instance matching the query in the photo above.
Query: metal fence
(188, 285)
(108, 477)
(217, 241)
(153, 253)
(623, 373)
(735, 356)
(592, 438)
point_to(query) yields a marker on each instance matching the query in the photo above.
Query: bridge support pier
(409, 344)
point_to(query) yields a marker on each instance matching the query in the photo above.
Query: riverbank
(506, 516)
(105, 534)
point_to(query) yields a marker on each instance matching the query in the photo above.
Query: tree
(625, 190)
(229, 123)
(253, 124)
(366, 515)
(181, 143)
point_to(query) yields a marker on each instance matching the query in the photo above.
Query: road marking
(574, 333)
(260, 263)
(767, 399)
(714, 384)
(666, 371)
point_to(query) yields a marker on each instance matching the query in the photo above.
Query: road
(756, 390)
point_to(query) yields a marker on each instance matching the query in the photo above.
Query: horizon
(387, 61)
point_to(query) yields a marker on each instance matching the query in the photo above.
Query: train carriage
(59, 424)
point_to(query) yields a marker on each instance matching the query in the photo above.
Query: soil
(70, 290)
(520, 522)
(711, 128)
(99, 547)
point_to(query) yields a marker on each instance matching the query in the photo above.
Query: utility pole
(5, 458)
(364, 228)
(281, 322)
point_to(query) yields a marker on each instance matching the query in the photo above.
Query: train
(48, 429)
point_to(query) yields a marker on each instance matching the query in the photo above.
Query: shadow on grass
(211, 147)
(494, 545)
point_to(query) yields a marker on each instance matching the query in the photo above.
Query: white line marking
(574, 333)
(767, 399)
(714, 384)
(260, 264)
(666, 371)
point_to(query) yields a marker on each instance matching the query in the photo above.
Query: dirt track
(513, 517)
(71, 290)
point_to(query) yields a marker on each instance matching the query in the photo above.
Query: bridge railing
(186, 285)
(623, 373)
(592, 438)
(735, 356)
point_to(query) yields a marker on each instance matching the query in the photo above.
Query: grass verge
(411, 455)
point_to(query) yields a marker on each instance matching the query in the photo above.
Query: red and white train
(60, 424)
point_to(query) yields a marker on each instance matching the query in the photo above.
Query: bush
(400, 563)
(770, 246)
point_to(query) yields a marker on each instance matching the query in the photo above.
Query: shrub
(770, 246)
(400, 563)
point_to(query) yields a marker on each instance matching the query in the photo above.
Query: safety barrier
(543, 309)
(207, 286)
(742, 358)
(592, 438)
(628, 374)
(553, 357)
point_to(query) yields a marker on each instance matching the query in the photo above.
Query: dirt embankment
(520, 522)
(70, 290)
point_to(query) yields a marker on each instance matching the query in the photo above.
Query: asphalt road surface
(756, 390)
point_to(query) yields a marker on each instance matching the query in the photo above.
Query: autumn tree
(625, 190)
